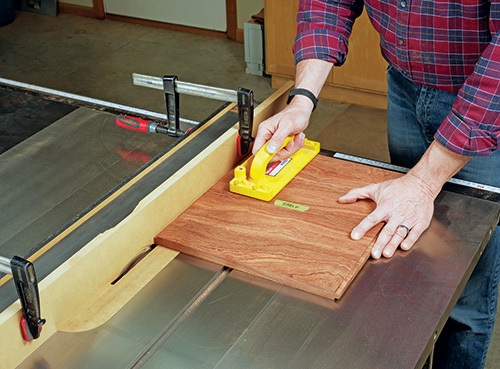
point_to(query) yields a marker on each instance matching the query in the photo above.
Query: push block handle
(261, 159)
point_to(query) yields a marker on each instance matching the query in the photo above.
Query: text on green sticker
(290, 205)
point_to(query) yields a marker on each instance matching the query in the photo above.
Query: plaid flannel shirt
(449, 45)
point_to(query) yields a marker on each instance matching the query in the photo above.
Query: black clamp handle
(26, 283)
(245, 117)
(172, 103)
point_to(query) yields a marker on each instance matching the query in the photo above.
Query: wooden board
(309, 250)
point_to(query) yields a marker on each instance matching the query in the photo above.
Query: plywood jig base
(86, 276)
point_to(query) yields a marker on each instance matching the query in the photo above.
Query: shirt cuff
(320, 44)
(457, 136)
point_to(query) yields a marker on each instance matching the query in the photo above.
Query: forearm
(293, 120)
(311, 75)
(437, 166)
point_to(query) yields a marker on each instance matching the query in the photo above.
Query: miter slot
(185, 313)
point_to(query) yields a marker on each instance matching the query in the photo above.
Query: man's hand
(400, 202)
(406, 204)
(293, 120)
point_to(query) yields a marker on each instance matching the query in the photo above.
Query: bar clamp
(23, 272)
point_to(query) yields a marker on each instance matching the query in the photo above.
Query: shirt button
(403, 4)
(401, 41)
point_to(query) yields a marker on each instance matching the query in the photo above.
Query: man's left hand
(404, 204)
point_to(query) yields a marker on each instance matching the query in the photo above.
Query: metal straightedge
(396, 168)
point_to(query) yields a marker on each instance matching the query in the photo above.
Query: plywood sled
(303, 240)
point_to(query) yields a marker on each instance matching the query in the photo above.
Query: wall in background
(199, 14)
(209, 15)
(87, 3)
(247, 8)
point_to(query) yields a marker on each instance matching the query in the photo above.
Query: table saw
(83, 201)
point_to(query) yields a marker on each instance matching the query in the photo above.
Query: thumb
(275, 143)
(277, 140)
(355, 195)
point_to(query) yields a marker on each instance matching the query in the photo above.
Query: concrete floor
(97, 58)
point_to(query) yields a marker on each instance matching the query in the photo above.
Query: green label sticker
(290, 205)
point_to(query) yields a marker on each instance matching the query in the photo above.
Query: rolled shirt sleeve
(473, 126)
(323, 29)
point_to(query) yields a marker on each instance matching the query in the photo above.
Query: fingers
(275, 139)
(405, 210)
(291, 148)
(374, 218)
(413, 236)
(289, 122)
(390, 237)
(265, 132)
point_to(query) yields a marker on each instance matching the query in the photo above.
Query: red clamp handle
(25, 331)
(135, 124)
(238, 146)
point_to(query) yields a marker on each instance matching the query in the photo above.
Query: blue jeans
(414, 114)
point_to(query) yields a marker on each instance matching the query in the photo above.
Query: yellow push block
(261, 180)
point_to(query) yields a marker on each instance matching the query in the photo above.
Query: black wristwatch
(303, 91)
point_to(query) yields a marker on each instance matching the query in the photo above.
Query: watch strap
(304, 92)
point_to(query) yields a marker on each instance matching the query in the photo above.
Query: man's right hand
(291, 121)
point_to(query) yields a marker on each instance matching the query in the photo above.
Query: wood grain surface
(310, 250)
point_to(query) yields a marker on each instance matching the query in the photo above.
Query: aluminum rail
(88, 100)
(187, 88)
(5, 265)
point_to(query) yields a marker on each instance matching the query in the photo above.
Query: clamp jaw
(26, 284)
(172, 103)
(172, 87)
(245, 117)
(172, 128)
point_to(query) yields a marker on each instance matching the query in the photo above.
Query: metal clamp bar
(5, 265)
(87, 100)
(187, 88)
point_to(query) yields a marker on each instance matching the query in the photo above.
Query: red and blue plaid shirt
(449, 45)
